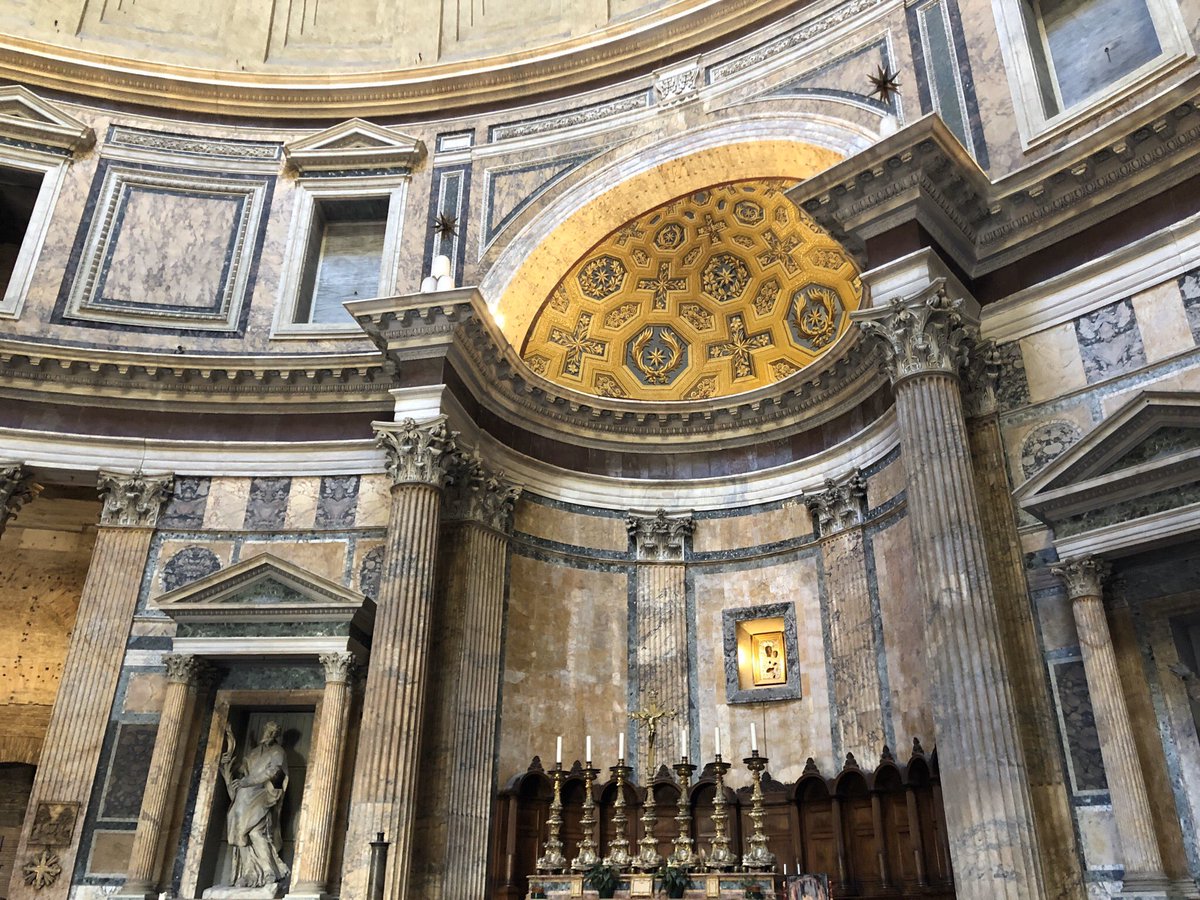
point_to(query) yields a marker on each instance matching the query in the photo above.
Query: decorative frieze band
(478, 494)
(16, 489)
(417, 453)
(1084, 576)
(660, 537)
(840, 506)
(924, 333)
(133, 500)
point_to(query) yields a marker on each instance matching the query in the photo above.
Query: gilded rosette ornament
(133, 500)
(417, 454)
(16, 489)
(1084, 576)
(924, 333)
(43, 870)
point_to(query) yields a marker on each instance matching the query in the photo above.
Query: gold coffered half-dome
(715, 293)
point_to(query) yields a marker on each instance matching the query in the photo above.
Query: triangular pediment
(354, 144)
(24, 116)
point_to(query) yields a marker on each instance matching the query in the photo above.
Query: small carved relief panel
(54, 824)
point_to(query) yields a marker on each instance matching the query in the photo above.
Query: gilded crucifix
(649, 715)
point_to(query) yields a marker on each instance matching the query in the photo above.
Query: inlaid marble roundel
(719, 292)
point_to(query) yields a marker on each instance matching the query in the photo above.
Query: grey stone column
(461, 729)
(324, 773)
(837, 514)
(93, 664)
(184, 674)
(387, 766)
(1144, 874)
(662, 626)
(16, 489)
(989, 817)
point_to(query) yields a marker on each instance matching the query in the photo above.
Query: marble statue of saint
(252, 827)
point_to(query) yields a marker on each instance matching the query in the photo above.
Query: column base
(307, 892)
(1146, 886)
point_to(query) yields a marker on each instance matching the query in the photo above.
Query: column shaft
(662, 649)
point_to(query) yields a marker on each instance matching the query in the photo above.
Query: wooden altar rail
(877, 833)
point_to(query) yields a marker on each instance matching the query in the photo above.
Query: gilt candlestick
(648, 858)
(684, 856)
(618, 847)
(759, 859)
(721, 858)
(553, 860)
(587, 845)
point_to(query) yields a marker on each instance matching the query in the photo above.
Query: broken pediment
(354, 144)
(26, 117)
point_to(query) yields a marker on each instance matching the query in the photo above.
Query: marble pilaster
(17, 488)
(93, 663)
(324, 774)
(1144, 875)
(662, 625)
(184, 674)
(926, 337)
(384, 793)
(838, 513)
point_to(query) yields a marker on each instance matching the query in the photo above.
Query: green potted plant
(602, 879)
(673, 881)
(753, 889)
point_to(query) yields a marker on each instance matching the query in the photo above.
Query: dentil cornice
(417, 453)
(133, 500)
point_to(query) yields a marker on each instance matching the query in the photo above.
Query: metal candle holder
(648, 859)
(684, 856)
(759, 859)
(618, 847)
(720, 858)
(553, 860)
(587, 845)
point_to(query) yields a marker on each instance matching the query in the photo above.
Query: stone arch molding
(635, 178)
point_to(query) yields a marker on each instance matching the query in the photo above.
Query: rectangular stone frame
(53, 168)
(730, 619)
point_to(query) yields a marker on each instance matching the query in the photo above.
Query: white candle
(589, 749)
(621, 746)
(753, 739)
(717, 735)
(683, 742)
(558, 751)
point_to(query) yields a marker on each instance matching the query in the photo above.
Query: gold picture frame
(768, 658)
(641, 885)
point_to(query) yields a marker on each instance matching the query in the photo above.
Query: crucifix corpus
(649, 716)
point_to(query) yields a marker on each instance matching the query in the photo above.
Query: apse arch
(637, 178)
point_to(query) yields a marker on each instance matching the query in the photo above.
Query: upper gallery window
(1083, 55)
(19, 191)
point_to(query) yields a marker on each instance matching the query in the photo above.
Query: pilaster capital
(477, 493)
(981, 377)
(339, 667)
(840, 506)
(659, 537)
(417, 453)
(16, 489)
(1084, 576)
(133, 499)
(183, 668)
(926, 332)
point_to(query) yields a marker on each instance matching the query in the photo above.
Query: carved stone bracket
(478, 494)
(133, 500)
(16, 489)
(417, 454)
(659, 537)
(340, 667)
(1084, 576)
(924, 333)
(840, 506)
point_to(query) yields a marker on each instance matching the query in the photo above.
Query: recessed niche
(761, 660)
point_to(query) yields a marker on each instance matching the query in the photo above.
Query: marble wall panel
(1012, 388)
(1099, 840)
(337, 501)
(1053, 365)
(565, 661)
(1041, 434)
(1079, 726)
(368, 566)
(145, 692)
(1045, 443)
(1056, 620)
(1175, 379)
(786, 522)
(128, 766)
(324, 558)
(374, 501)
(110, 852)
(1163, 321)
(1189, 290)
(266, 504)
(551, 523)
(301, 513)
(1109, 341)
(226, 509)
(185, 507)
(887, 483)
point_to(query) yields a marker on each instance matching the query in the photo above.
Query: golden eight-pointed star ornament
(884, 84)
(42, 871)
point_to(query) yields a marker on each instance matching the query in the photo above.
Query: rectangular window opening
(18, 196)
(344, 258)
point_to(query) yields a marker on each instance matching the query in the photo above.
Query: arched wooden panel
(858, 837)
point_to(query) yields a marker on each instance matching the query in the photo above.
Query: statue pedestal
(266, 892)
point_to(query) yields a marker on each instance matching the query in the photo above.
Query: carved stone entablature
(27, 118)
(341, 667)
(660, 537)
(184, 668)
(924, 333)
(842, 505)
(17, 488)
(354, 145)
(133, 500)
(417, 453)
(475, 493)
(1084, 576)
(923, 174)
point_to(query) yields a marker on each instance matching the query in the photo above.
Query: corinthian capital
(16, 489)
(659, 537)
(1084, 576)
(182, 668)
(840, 506)
(923, 333)
(476, 493)
(339, 667)
(133, 500)
(417, 454)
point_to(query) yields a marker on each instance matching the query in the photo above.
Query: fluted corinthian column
(386, 768)
(93, 664)
(16, 489)
(324, 773)
(1118, 749)
(184, 674)
(662, 627)
(461, 729)
(988, 808)
(838, 513)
